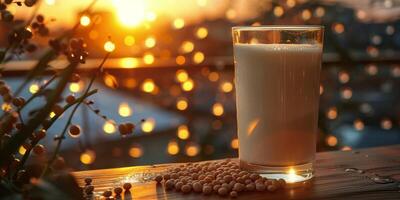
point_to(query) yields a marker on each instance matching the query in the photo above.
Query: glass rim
(279, 27)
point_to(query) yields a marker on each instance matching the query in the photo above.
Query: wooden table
(332, 181)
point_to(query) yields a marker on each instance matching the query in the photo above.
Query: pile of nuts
(221, 177)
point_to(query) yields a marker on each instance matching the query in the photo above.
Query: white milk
(277, 92)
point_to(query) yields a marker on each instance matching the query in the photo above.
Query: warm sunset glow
(180, 60)
(218, 109)
(129, 62)
(148, 125)
(188, 85)
(148, 58)
(173, 148)
(88, 157)
(130, 13)
(213, 76)
(192, 150)
(179, 23)
(136, 151)
(109, 46)
(331, 141)
(181, 75)
(150, 42)
(85, 20)
(201, 33)
(34, 88)
(148, 86)
(183, 132)
(129, 40)
(331, 113)
(109, 127)
(182, 104)
(226, 87)
(235, 143)
(187, 47)
(198, 57)
(124, 110)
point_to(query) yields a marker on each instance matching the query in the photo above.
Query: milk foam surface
(277, 92)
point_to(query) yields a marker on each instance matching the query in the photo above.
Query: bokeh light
(148, 58)
(88, 157)
(198, 57)
(148, 86)
(173, 148)
(33, 88)
(178, 23)
(188, 85)
(85, 20)
(150, 42)
(109, 46)
(235, 143)
(182, 104)
(358, 124)
(331, 140)
(124, 110)
(192, 149)
(181, 75)
(183, 132)
(109, 127)
(136, 151)
(148, 125)
(226, 87)
(129, 40)
(218, 109)
(201, 32)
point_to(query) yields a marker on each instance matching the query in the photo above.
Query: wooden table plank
(331, 181)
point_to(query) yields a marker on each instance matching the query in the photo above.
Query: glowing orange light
(150, 42)
(331, 113)
(109, 127)
(278, 11)
(180, 60)
(22, 150)
(226, 86)
(320, 12)
(136, 151)
(130, 83)
(183, 132)
(93, 34)
(182, 104)
(358, 124)
(230, 14)
(173, 148)
(130, 13)
(85, 20)
(331, 140)
(124, 110)
(344, 77)
(129, 40)
(192, 149)
(291, 3)
(188, 85)
(187, 47)
(148, 85)
(306, 15)
(235, 143)
(148, 58)
(321, 89)
(179, 23)
(198, 57)
(338, 28)
(201, 33)
(129, 62)
(148, 125)
(182, 75)
(213, 76)
(109, 46)
(88, 157)
(371, 69)
(218, 109)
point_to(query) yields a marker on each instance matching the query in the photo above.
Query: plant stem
(59, 141)
(81, 98)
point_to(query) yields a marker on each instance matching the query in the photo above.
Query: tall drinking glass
(277, 70)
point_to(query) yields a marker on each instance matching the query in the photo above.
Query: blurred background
(173, 67)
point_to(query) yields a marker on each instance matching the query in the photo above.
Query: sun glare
(130, 13)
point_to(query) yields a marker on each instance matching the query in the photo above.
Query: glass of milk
(277, 72)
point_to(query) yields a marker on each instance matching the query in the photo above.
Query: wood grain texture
(331, 181)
